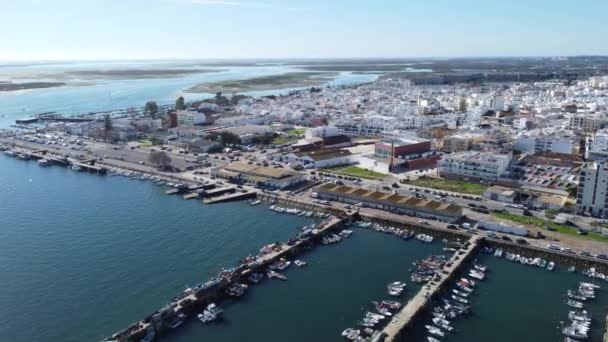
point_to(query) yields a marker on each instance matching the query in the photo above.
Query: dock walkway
(138, 329)
(394, 330)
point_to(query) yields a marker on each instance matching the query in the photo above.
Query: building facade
(474, 165)
(592, 191)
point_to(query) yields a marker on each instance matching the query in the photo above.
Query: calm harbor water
(74, 272)
(522, 303)
(317, 302)
(82, 256)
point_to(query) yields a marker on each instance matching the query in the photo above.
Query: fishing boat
(576, 295)
(280, 264)
(236, 290)
(434, 330)
(574, 304)
(177, 321)
(480, 267)
(580, 316)
(442, 323)
(255, 278)
(477, 275)
(461, 300)
(351, 334)
(273, 275)
(461, 293)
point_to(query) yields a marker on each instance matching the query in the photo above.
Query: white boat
(574, 304)
(43, 162)
(432, 339)
(434, 330)
(300, 263)
(210, 314)
(256, 202)
(551, 266)
(273, 274)
(76, 167)
(442, 323)
(480, 267)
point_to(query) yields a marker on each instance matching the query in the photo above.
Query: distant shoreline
(262, 83)
(9, 86)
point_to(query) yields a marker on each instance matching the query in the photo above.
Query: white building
(474, 165)
(190, 117)
(498, 103)
(587, 122)
(321, 132)
(546, 143)
(596, 147)
(593, 188)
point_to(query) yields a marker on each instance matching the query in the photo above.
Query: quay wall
(417, 228)
(397, 330)
(562, 259)
(606, 331)
(195, 302)
(294, 203)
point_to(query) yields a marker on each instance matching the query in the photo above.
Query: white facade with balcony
(474, 165)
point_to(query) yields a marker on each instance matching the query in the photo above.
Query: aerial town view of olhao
(297, 171)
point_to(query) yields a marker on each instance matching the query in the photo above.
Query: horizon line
(295, 58)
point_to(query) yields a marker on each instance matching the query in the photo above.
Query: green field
(561, 228)
(284, 139)
(297, 131)
(449, 185)
(355, 172)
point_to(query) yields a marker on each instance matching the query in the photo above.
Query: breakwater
(606, 333)
(158, 322)
(396, 329)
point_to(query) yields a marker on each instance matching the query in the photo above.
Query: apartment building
(588, 123)
(592, 195)
(546, 143)
(474, 165)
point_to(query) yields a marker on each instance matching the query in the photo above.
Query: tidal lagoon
(101, 94)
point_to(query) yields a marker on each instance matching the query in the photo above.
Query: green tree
(160, 159)
(151, 108)
(180, 103)
(227, 138)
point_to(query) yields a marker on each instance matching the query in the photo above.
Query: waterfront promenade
(395, 329)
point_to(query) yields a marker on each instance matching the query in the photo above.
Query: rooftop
(396, 199)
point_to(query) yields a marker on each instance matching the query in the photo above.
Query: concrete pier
(606, 331)
(197, 300)
(230, 197)
(395, 330)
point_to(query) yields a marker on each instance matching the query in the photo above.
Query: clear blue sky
(161, 29)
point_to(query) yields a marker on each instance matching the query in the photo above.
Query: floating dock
(230, 197)
(394, 331)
